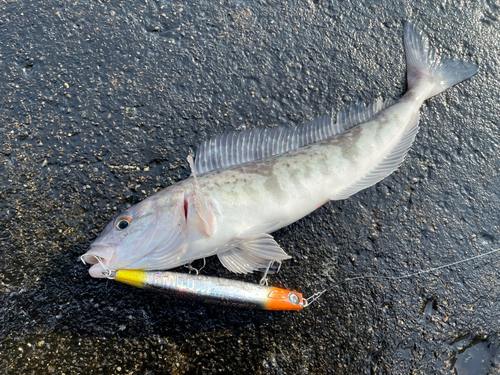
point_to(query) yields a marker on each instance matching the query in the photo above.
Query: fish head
(149, 235)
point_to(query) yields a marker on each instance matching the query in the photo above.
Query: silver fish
(245, 185)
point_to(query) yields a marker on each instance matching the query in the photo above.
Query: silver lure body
(246, 185)
(214, 290)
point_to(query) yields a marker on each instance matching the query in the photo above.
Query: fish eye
(122, 222)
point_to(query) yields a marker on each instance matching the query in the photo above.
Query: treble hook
(110, 274)
(269, 270)
(191, 268)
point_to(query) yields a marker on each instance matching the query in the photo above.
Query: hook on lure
(239, 293)
(208, 289)
(110, 274)
(214, 290)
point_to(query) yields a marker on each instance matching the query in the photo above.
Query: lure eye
(122, 222)
(294, 299)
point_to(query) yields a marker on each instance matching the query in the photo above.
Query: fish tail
(424, 65)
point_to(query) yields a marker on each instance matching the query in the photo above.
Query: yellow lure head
(135, 278)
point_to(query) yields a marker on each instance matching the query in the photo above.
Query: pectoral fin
(201, 205)
(252, 253)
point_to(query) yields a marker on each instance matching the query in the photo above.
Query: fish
(245, 185)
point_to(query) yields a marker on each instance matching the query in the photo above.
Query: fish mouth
(100, 256)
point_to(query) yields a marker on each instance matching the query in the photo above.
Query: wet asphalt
(100, 104)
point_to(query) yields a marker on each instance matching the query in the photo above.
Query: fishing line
(315, 296)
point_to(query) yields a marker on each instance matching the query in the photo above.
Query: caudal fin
(424, 64)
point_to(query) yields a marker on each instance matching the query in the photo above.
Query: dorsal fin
(242, 147)
(358, 113)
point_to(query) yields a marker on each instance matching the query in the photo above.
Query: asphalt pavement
(102, 101)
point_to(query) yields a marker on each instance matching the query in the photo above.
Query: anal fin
(390, 163)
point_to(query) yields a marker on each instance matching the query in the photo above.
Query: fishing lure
(209, 289)
(235, 293)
